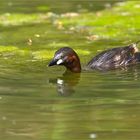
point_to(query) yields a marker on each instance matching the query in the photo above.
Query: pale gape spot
(59, 62)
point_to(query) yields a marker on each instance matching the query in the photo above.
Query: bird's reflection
(66, 83)
(132, 72)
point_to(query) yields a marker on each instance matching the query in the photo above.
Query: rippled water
(37, 102)
(38, 105)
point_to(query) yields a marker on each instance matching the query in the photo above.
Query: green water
(42, 103)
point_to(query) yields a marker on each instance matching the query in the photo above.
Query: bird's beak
(56, 62)
(52, 63)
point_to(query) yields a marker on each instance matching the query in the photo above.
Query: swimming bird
(106, 60)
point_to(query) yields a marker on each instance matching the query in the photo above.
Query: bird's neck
(76, 69)
(75, 66)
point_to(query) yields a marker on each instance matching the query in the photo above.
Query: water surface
(39, 103)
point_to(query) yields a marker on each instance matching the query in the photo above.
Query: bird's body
(114, 58)
(106, 60)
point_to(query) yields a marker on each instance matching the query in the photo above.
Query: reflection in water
(66, 83)
(130, 71)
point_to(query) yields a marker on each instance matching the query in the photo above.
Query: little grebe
(106, 60)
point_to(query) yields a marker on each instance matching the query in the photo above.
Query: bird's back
(114, 58)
